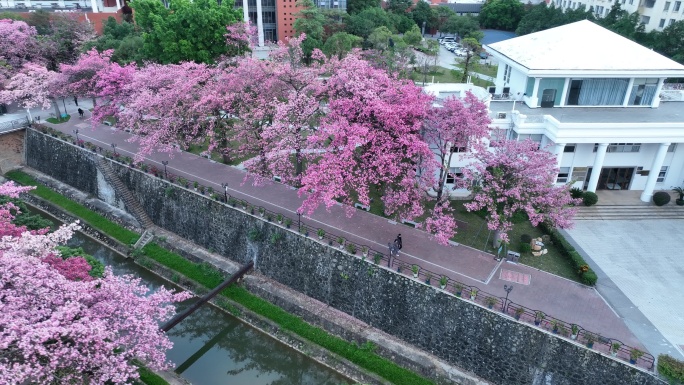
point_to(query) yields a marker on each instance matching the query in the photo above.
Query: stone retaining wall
(479, 340)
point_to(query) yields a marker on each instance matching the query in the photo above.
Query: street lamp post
(225, 190)
(165, 162)
(508, 290)
(76, 132)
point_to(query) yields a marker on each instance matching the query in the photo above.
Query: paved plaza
(641, 275)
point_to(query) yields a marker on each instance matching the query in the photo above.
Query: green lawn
(58, 120)
(488, 70)
(446, 75)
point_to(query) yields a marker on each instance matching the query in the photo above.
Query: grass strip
(150, 378)
(362, 356)
(93, 219)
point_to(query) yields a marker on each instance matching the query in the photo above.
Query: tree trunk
(496, 242)
(94, 102)
(54, 104)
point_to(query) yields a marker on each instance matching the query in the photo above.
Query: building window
(667, 6)
(569, 147)
(662, 174)
(507, 73)
(672, 148)
(458, 149)
(563, 175)
(645, 19)
(677, 4)
(453, 174)
(672, 21)
(631, 2)
(643, 92)
(621, 147)
(662, 23)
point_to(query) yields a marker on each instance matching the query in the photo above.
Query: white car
(450, 46)
(445, 40)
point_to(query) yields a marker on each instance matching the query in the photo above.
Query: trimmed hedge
(150, 378)
(589, 198)
(92, 218)
(359, 355)
(661, 198)
(586, 275)
(671, 368)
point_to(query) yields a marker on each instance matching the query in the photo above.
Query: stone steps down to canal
(131, 203)
(633, 212)
(144, 239)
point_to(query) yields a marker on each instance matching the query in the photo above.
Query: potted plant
(268, 217)
(399, 269)
(554, 326)
(458, 289)
(321, 233)
(518, 312)
(232, 201)
(195, 185)
(340, 241)
(414, 270)
(473, 294)
(279, 218)
(634, 355)
(443, 280)
(615, 348)
(210, 190)
(575, 330)
(351, 248)
(377, 258)
(428, 277)
(201, 188)
(288, 222)
(590, 338)
(490, 302)
(561, 329)
(261, 211)
(539, 317)
(679, 190)
(364, 251)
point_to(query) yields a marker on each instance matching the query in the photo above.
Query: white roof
(586, 47)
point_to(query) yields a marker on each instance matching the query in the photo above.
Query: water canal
(212, 347)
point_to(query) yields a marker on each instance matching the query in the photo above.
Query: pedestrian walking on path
(397, 243)
(76, 101)
(80, 113)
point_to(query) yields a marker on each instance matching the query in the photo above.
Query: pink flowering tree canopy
(81, 78)
(60, 326)
(517, 176)
(17, 46)
(33, 86)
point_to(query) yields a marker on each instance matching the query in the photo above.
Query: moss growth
(90, 217)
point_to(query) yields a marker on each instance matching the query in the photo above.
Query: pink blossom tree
(241, 37)
(33, 86)
(517, 176)
(17, 46)
(63, 327)
(457, 126)
(81, 78)
(111, 85)
(371, 139)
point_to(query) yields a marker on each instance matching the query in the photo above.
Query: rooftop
(667, 112)
(584, 46)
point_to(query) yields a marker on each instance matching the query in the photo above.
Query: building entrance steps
(556, 296)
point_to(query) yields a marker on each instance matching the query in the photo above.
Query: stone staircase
(144, 239)
(630, 212)
(132, 204)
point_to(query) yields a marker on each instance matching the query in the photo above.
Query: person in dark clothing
(76, 101)
(397, 242)
(80, 112)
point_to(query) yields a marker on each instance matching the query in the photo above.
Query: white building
(655, 14)
(593, 97)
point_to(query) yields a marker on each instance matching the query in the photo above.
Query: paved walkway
(640, 270)
(556, 296)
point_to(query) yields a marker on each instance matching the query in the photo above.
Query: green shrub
(671, 368)
(519, 217)
(526, 238)
(589, 198)
(589, 278)
(524, 247)
(576, 192)
(150, 378)
(661, 198)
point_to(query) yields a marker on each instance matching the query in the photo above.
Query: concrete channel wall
(493, 347)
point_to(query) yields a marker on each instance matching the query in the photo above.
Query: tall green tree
(365, 22)
(423, 13)
(501, 14)
(340, 44)
(670, 42)
(309, 22)
(443, 14)
(540, 17)
(622, 22)
(124, 38)
(356, 6)
(399, 6)
(463, 26)
(401, 22)
(413, 37)
(186, 31)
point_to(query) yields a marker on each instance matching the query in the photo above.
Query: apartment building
(655, 14)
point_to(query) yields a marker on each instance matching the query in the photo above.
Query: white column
(629, 91)
(93, 5)
(61, 3)
(118, 4)
(534, 99)
(245, 10)
(598, 165)
(558, 151)
(656, 98)
(260, 24)
(655, 170)
(564, 95)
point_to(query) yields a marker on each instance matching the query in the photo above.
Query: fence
(13, 125)
(458, 289)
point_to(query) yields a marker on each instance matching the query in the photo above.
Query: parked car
(447, 39)
(451, 46)
(484, 55)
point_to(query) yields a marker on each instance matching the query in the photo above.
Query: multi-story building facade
(655, 14)
(591, 97)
